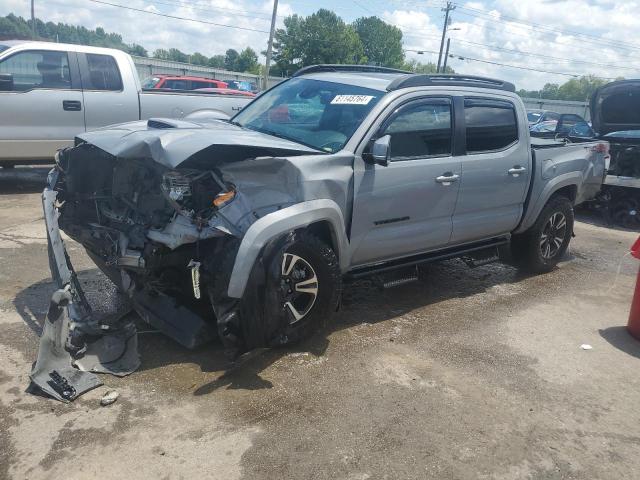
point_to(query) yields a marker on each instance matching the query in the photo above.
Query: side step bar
(445, 254)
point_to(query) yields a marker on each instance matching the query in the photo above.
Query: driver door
(41, 107)
(406, 207)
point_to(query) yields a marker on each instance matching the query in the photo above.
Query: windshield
(624, 134)
(533, 117)
(322, 115)
(3, 47)
(150, 82)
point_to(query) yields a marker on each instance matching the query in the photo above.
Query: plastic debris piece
(108, 398)
(586, 346)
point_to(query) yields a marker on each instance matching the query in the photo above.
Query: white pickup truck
(51, 92)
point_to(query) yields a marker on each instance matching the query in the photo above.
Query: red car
(170, 82)
(227, 91)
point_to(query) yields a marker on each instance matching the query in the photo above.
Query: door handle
(72, 105)
(447, 179)
(516, 171)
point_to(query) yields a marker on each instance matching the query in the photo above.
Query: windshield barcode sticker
(351, 99)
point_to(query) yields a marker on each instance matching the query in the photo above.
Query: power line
(177, 3)
(574, 75)
(178, 18)
(546, 27)
(531, 54)
(530, 25)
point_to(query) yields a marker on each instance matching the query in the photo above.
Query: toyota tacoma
(245, 229)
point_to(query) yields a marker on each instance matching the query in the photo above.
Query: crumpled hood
(173, 142)
(616, 107)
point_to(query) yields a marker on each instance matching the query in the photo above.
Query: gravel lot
(468, 374)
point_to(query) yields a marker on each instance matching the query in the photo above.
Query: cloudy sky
(561, 38)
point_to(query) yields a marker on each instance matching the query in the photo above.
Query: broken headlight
(176, 186)
(195, 193)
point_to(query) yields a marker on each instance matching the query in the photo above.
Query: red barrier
(634, 316)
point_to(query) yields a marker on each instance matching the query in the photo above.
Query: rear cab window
(101, 73)
(491, 125)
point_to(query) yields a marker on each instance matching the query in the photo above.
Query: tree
(382, 42)
(231, 59)
(418, 67)
(139, 50)
(178, 56)
(248, 61)
(199, 59)
(217, 61)
(577, 89)
(161, 54)
(322, 37)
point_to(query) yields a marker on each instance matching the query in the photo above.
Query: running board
(445, 254)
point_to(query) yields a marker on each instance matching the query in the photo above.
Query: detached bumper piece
(73, 343)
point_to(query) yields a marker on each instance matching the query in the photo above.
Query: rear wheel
(545, 243)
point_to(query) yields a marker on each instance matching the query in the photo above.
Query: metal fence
(147, 67)
(560, 106)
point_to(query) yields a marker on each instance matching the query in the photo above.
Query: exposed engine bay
(167, 238)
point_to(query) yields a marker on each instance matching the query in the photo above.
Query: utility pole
(446, 56)
(33, 20)
(270, 45)
(450, 7)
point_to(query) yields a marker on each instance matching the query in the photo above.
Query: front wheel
(541, 247)
(308, 285)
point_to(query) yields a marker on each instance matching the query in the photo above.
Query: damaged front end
(166, 237)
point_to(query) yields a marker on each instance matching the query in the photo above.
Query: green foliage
(231, 59)
(576, 89)
(13, 27)
(17, 28)
(322, 37)
(217, 61)
(418, 67)
(382, 42)
(161, 54)
(198, 59)
(248, 61)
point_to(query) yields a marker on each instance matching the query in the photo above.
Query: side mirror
(380, 151)
(6, 82)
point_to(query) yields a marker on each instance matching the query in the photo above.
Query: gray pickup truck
(245, 229)
(51, 92)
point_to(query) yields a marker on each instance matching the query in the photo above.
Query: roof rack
(346, 68)
(419, 80)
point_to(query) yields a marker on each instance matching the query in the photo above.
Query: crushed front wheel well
(324, 231)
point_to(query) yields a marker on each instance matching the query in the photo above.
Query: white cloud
(153, 31)
(615, 22)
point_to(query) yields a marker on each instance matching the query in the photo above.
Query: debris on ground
(108, 398)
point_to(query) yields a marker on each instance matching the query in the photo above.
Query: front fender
(278, 223)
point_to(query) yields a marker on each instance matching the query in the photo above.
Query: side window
(103, 73)
(195, 84)
(36, 69)
(491, 125)
(176, 84)
(419, 131)
(567, 122)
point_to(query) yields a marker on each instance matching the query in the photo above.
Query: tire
(540, 248)
(299, 263)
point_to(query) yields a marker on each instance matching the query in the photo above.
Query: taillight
(601, 148)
